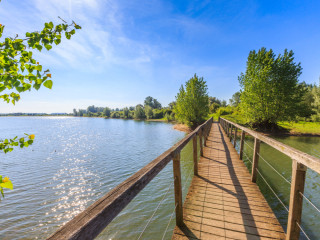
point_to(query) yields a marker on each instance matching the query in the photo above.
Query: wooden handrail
(304, 158)
(300, 162)
(91, 222)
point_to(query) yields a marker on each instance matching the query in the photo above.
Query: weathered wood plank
(242, 144)
(222, 202)
(177, 189)
(255, 160)
(295, 205)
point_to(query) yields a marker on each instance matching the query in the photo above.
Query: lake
(75, 161)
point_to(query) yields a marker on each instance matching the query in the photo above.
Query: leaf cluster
(19, 71)
(7, 145)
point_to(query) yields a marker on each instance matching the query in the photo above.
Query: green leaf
(57, 41)
(48, 47)
(48, 84)
(39, 47)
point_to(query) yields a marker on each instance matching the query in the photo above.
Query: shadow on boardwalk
(222, 202)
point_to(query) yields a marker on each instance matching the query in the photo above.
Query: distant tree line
(151, 109)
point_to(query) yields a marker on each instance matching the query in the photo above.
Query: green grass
(301, 127)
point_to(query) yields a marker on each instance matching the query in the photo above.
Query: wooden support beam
(205, 136)
(231, 129)
(242, 143)
(195, 155)
(235, 137)
(255, 160)
(296, 200)
(177, 189)
(200, 138)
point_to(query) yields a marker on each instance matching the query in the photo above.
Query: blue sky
(128, 50)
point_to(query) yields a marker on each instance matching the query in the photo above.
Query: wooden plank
(255, 160)
(177, 189)
(195, 155)
(304, 158)
(222, 202)
(296, 200)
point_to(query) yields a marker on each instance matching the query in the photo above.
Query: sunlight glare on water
(75, 161)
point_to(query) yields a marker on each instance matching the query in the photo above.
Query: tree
(235, 100)
(148, 112)
(126, 112)
(152, 102)
(139, 112)
(75, 112)
(316, 103)
(192, 102)
(156, 104)
(171, 105)
(20, 72)
(106, 112)
(269, 88)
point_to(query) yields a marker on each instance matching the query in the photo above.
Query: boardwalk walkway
(222, 202)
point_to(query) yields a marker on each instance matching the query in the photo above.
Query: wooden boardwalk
(222, 202)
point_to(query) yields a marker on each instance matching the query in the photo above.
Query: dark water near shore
(75, 161)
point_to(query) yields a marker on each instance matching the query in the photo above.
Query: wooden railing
(300, 162)
(90, 223)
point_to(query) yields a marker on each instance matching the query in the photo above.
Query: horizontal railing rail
(91, 222)
(300, 162)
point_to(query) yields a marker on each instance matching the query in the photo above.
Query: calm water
(75, 161)
(283, 164)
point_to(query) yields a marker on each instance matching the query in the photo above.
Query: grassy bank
(291, 128)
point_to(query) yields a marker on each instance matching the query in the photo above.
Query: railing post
(242, 144)
(200, 139)
(231, 129)
(235, 137)
(255, 160)
(296, 199)
(195, 155)
(205, 135)
(177, 189)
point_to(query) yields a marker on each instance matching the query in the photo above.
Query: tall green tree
(126, 112)
(139, 112)
(106, 112)
(20, 72)
(192, 102)
(148, 112)
(235, 100)
(269, 88)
